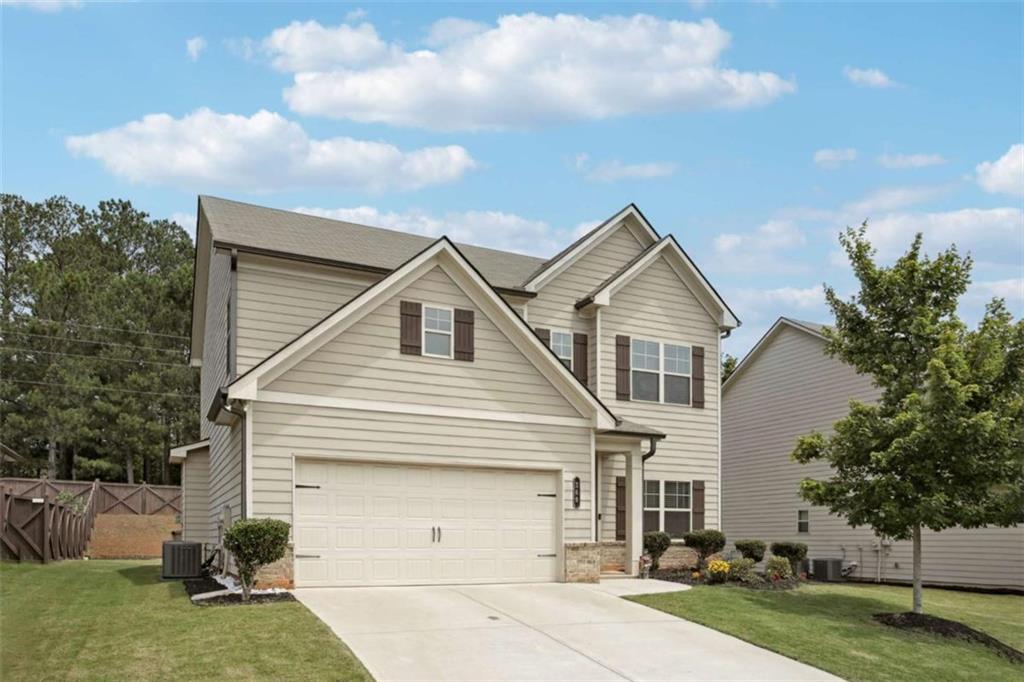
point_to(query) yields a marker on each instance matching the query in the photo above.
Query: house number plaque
(576, 492)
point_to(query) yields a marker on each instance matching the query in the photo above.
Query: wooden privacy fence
(34, 526)
(42, 529)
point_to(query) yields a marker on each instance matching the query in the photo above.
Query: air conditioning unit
(182, 559)
(828, 570)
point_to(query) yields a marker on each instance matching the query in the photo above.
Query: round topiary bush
(742, 570)
(656, 543)
(751, 549)
(795, 552)
(254, 543)
(777, 568)
(706, 542)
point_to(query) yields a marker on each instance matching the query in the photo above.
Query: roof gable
(630, 215)
(809, 328)
(666, 249)
(445, 255)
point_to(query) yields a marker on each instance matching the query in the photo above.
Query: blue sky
(753, 132)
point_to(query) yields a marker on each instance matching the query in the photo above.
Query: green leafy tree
(729, 363)
(944, 445)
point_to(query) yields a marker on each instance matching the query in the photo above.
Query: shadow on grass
(142, 575)
(838, 607)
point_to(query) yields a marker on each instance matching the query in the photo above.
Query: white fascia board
(178, 454)
(585, 246)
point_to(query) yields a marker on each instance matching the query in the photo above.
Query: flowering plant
(718, 571)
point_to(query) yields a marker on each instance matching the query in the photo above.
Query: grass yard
(830, 627)
(116, 620)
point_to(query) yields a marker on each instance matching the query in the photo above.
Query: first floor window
(667, 507)
(803, 521)
(437, 332)
(561, 344)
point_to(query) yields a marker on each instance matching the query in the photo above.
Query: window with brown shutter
(579, 357)
(622, 367)
(464, 320)
(698, 377)
(698, 505)
(410, 337)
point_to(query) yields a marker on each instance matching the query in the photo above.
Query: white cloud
(869, 78)
(584, 227)
(495, 229)
(245, 48)
(615, 170)
(525, 71)
(891, 199)
(1004, 175)
(48, 6)
(991, 235)
(308, 46)
(1011, 290)
(789, 297)
(194, 47)
(760, 250)
(910, 160)
(262, 152)
(355, 15)
(452, 29)
(834, 158)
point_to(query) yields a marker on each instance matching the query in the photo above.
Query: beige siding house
(423, 412)
(787, 387)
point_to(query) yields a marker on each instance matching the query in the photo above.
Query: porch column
(634, 510)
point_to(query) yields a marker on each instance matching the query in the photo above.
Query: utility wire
(95, 357)
(101, 343)
(104, 388)
(96, 326)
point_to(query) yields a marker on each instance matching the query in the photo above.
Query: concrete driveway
(549, 631)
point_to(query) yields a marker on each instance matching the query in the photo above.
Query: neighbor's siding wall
(195, 485)
(364, 363)
(280, 299)
(793, 388)
(657, 306)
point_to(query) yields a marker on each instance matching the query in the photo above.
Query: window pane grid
(677, 359)
(646, 355)
(437, 319)
(561, 344)
(652, 494)
(677, 495)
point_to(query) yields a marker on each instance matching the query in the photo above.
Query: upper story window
(803, 521)
(661, 372)
(561, 344)
(437, 331)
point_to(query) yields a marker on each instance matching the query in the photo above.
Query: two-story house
(424, 412)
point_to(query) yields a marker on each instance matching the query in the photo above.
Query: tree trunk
(918, 606)
(51, 459)
(129, 468)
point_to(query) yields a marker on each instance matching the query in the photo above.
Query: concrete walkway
(551, 631)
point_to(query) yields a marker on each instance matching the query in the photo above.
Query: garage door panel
(378, 527)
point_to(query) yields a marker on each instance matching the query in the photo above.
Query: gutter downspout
(241, 414)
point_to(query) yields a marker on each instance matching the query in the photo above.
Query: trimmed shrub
(656, 543)
(254, 543)
(778, 568)
(718, 571)
(794, 551)
(742, 570)
(751, 549)
(706, 542)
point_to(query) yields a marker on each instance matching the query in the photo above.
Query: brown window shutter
(622, 367)
(544, 335)
(697, 399)
(580, 357)
(698, 505)
(464, 334)
(411, 339)
(620, 507)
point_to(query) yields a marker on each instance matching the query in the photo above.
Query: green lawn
(116, 620)
(830, 627)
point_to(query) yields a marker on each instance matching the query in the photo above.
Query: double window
(437, 331)
(561, 344)
(661, 372)
(667, 507)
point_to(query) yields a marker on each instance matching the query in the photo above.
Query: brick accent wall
(278, 574)
(582, 562)
(613, 556)
(130, 536)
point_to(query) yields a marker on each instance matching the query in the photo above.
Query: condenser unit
(828, 570)
(182, 559)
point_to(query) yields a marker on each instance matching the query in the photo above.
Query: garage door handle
(547, 555)
(439, 533)
(307, 556)
(433, 533)
(302, 485)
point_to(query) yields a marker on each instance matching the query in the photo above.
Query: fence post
(46, 529)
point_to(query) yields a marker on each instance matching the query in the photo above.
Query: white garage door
(362, 523)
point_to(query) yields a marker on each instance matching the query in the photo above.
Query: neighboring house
(787, 387)
(424, 412)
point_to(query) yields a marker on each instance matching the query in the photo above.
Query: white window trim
(551, 345)
(661, 508)
(661, 371)
(807, 521)
(424, 330)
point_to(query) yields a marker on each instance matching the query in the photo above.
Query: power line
(104, 388)
(96, 357)
(100, 343)
(112, 329)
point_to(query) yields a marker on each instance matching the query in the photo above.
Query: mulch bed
(686, 578)
(206, 584)
(948, 628)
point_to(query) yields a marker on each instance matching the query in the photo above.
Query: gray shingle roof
(271, 229)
